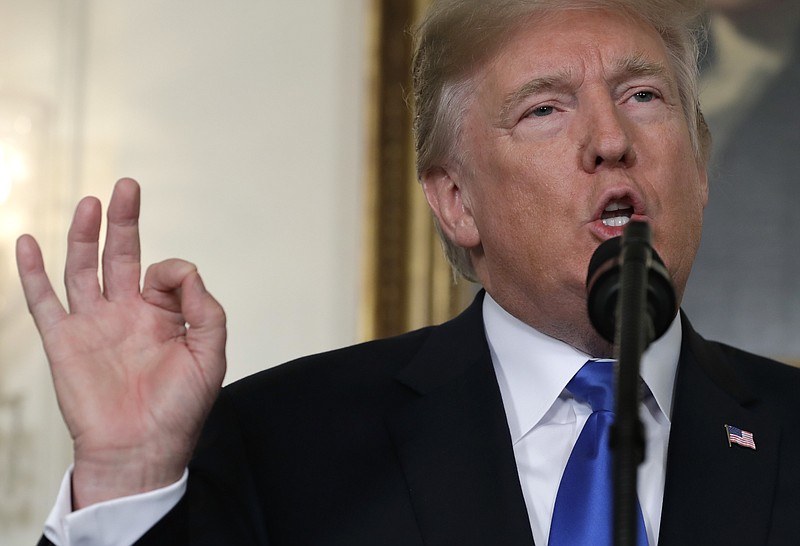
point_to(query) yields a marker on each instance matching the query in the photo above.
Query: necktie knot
(594, 383)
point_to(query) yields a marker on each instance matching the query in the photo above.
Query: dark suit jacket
(404, 442)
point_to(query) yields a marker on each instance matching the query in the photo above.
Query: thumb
(176, 286)
(206, 334)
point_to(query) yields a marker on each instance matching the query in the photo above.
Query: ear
(704, 186)
(448, 202)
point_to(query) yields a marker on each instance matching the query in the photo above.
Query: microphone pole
(634, 332)
(631, 302)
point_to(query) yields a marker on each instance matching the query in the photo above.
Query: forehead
(574, 44)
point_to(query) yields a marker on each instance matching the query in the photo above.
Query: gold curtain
(408, 282)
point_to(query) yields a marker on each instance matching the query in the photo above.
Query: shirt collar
(533, 368)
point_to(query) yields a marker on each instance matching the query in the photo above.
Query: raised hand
(136, 370)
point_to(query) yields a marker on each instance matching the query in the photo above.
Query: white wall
(244, 122)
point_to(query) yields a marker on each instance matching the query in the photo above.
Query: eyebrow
(637, 66)
(558, 82)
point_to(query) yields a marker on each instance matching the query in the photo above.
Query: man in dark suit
(542, 129)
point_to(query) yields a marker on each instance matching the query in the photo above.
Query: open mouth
(617, 214)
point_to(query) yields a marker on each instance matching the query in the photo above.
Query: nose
(607, 140)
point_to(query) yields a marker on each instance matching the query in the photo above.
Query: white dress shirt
(543, 418)
(99, 524)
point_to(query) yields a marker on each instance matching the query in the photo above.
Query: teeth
(617, 214)
(616, 221)
(616, 205)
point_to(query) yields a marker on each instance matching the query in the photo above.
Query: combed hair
(456, 36)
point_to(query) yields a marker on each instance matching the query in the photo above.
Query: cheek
(694, 192)
(685, 187)
(680, 236)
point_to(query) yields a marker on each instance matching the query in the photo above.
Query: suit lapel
(453, 443)
(716, 494)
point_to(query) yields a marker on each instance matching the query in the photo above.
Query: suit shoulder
(758, 363)
(771, 377)
(365, 363)
(371, 364)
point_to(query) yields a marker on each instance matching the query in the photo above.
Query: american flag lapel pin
(739, 437)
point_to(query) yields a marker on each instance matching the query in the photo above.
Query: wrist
(102, 477)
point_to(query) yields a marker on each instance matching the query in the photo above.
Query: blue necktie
(583, 511)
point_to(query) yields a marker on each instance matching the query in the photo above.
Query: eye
(644, 96)
(541, 111)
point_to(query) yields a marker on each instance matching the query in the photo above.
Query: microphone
(631, 302)
(603, 282)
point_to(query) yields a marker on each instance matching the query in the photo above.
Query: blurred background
(271, 139)
(245, 124)
(745, 286)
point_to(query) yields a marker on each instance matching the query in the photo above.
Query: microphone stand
(634, 332)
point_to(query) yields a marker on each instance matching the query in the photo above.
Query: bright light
(12, 169)
(11, 223)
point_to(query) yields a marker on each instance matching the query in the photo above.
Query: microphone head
(603, 288)
(608, 250)
(662, 304)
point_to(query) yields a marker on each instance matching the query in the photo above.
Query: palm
(135, 360)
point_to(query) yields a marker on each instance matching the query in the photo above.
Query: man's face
(575, 127)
